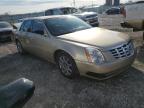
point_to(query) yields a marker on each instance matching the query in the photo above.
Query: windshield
(70, 10)
(5, 25)
(63, 25)
(57, 12)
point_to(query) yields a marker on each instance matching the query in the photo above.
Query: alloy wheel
(65, 65)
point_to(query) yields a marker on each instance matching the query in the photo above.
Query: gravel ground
(55, 91)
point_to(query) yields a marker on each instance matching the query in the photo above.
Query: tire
(20, 48)
(67, 65)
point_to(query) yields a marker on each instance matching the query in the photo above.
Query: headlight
(94, 55)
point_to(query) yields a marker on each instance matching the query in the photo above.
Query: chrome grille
(123, 50)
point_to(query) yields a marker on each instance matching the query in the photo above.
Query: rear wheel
(19, 47)
(67, 65)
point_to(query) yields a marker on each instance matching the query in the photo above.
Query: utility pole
(74, 3)
(92, 3)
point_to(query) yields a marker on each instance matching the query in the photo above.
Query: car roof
(47, 17)
(63, 7)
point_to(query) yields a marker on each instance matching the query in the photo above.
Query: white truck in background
(127, 19)
(134, 15)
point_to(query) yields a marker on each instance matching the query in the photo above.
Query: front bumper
(93, 23)
(106, 70)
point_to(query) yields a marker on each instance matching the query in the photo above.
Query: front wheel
(67, 65)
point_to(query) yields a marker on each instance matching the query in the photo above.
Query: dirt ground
(55, 91)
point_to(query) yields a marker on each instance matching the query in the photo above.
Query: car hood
(85, 14)
(96, 37)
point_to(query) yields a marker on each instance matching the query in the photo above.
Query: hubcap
(65, 65)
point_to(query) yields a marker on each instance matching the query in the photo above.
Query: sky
(27, 6)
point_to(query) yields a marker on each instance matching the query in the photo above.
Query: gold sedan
(76, 47)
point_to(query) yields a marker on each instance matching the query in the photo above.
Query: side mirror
(16, 94)
(14, 27)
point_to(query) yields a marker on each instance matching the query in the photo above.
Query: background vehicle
(75, 46)
(6, 31)
(113, 11)
(134, 15)
(16, 94)
(89, 17)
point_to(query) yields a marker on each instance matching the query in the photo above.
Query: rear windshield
(59, 26)
(5, 25)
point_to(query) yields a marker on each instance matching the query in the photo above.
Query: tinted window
(26, 26)
(48, 12)
(63, 25)
(116, 11)
(108, 12)
(113, 11)
(38, 27)
(69, 10)
(74, 10)
(65, 11)
(54, 12)
(57, 12)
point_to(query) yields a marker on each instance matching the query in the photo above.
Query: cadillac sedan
(76, 47)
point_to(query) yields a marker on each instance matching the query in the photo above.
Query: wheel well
(60, 51)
